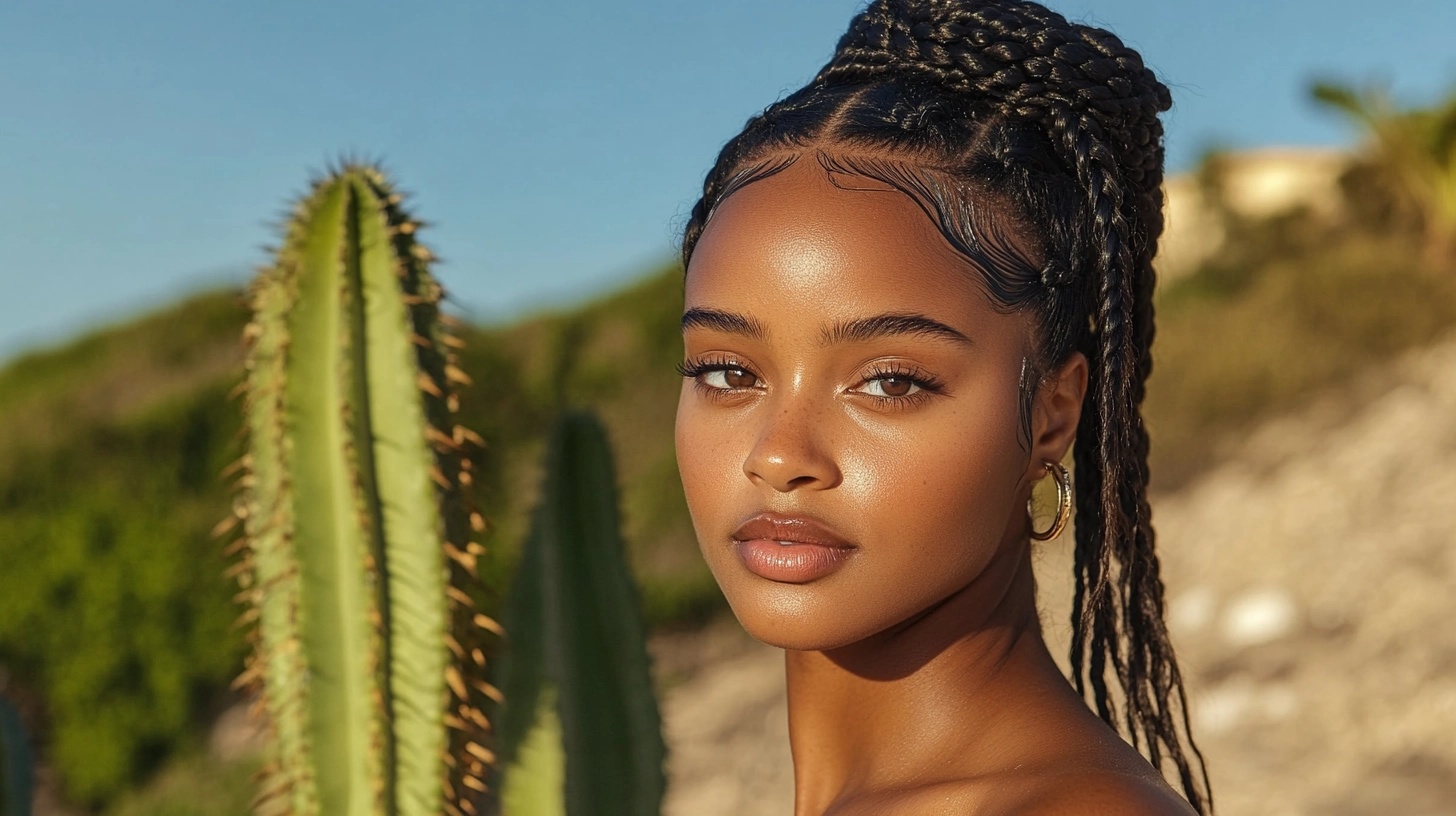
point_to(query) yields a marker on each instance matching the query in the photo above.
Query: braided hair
(1001, 118)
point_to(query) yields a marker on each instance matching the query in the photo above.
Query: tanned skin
(918, 680)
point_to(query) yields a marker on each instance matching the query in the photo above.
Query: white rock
(1191, 611)
(1222, 709)
(1259, 616)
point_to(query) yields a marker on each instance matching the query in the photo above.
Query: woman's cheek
(943, 482)
(911, 485)
(709, 460)
(693, 446)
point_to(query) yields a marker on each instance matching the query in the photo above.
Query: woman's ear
(1055, 412)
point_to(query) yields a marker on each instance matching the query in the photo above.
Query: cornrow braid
(1058, 122)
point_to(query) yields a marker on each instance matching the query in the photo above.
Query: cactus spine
(578, 669)
(357, 560)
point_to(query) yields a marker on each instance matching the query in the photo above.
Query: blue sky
(556, 147)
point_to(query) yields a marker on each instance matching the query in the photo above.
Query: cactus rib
(16, 764)
(578, 638)
(354, 516)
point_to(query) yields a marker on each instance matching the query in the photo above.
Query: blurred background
(1303, 409)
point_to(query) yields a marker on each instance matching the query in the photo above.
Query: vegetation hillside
(116, 622)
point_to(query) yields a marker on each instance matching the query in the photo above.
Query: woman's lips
(789, 549)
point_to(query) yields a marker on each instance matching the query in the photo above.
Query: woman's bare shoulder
(1099, 794)
(1076, 793)
(1110, 789)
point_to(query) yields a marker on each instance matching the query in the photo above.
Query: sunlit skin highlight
(845, 364)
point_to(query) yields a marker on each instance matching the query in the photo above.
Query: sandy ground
(1312, 595)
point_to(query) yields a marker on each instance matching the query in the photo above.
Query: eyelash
(928, 385)
(695, 369)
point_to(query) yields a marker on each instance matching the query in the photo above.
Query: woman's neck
(943, 697)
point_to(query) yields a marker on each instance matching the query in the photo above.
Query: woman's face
(849, 434)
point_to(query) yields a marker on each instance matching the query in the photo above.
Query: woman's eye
(729, 378)
(890, 387)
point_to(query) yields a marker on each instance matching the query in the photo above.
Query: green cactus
(357, 563)
(16, 769)
(578, 664)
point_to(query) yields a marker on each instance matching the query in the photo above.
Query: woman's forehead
(801, 236)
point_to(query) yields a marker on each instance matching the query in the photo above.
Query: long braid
(1147, 584)
(1009, 65)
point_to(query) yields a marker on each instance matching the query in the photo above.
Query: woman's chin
(779, 638)
(796, 624)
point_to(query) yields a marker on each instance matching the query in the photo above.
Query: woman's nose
(793, 451)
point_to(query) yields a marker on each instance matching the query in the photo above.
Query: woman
(912, 286)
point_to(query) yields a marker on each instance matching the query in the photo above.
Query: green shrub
(114, 610)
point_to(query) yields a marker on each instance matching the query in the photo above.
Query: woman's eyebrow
(860, 330)
(730, 322)
(869, 328)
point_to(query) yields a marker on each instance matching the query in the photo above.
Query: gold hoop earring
(1064, 502)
